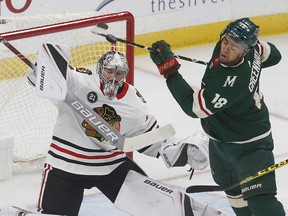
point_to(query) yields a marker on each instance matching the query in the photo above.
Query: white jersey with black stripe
(78, 148)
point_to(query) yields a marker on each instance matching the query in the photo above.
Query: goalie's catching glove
(192, 150)
(164, 59)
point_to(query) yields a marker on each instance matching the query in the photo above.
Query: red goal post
(30, 119)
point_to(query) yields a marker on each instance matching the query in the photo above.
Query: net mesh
(28, 118)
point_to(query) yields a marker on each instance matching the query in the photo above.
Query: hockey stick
(211, 188)
(96, 121)
(112, 39)
(103, 4)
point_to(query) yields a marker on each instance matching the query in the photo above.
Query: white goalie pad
(142, 196)
(52, 66)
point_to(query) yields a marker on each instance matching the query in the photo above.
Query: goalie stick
(211, 188)
(112, 39)
(97, 122)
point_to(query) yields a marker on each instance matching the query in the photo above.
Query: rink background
(22, 189)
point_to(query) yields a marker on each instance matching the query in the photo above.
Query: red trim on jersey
(261, 49)
(124, 91)
(201, 104)
(44, 178)
(66, 151)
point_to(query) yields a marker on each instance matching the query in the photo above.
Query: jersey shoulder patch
(83, 70)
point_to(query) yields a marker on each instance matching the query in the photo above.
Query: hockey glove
(164, 59)
(192, 150)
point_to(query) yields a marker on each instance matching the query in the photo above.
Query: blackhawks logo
(109, 114)
(83, 70)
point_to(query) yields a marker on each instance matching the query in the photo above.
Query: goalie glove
(192, 150)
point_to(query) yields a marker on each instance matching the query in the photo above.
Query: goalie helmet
(243, 31)
(112, 69)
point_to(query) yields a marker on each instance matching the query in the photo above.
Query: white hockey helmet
(112, 69)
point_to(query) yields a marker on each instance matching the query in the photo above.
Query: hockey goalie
(80, 158)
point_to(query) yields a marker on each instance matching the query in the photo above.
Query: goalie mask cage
(31, 119)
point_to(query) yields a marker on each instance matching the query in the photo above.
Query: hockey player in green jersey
(233, 113)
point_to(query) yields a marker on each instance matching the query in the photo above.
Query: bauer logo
(167, 160)
(42, 76)
(158, 186)
(96, 122)
(252, 187)
(92, 97)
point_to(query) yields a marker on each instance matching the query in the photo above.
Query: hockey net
(28, 118)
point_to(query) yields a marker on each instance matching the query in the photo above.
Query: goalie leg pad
(142, 196)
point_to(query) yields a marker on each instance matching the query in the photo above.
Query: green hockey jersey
(229, 103)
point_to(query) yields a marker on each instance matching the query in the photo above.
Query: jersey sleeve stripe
(265, 50)
(199, 107)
